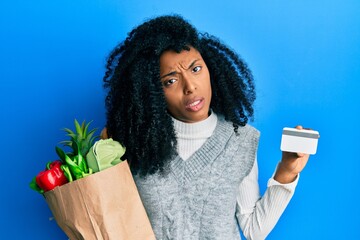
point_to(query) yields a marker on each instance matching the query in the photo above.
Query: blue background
(305, 57)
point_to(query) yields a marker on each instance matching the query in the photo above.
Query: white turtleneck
(257, 215)
(191, 136)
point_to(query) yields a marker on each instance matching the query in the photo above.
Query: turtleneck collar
(198, 130)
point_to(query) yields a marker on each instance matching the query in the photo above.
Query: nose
(189, 85)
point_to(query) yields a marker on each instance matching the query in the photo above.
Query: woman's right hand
(104, 134)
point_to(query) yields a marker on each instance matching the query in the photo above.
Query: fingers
(290, 155)
(293, 155)
(299, 127)
(300, 155)
(103, 134)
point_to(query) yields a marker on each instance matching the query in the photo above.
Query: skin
(186, 83)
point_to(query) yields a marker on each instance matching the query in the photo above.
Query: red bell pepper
(52, 177)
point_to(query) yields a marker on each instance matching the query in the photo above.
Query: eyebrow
(174, 72)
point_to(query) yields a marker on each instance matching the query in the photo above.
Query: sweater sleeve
(257, 215)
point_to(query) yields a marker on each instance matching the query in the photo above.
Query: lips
(194, 104)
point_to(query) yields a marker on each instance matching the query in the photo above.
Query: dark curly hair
(137, 114)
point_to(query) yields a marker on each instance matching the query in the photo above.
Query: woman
(180, 102)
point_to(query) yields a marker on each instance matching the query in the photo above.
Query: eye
(196, 69)
(169, 82)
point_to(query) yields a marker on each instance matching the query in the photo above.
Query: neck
(191, 136)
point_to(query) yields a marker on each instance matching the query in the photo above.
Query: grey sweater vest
(196, 198)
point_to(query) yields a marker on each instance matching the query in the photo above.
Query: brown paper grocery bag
(104, 205)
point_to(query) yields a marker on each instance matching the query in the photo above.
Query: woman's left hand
(291, 165)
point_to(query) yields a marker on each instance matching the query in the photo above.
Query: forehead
(171, 59)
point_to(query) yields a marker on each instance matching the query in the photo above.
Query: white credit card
(299, 141)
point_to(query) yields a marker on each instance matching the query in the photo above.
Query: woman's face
(186, 83)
